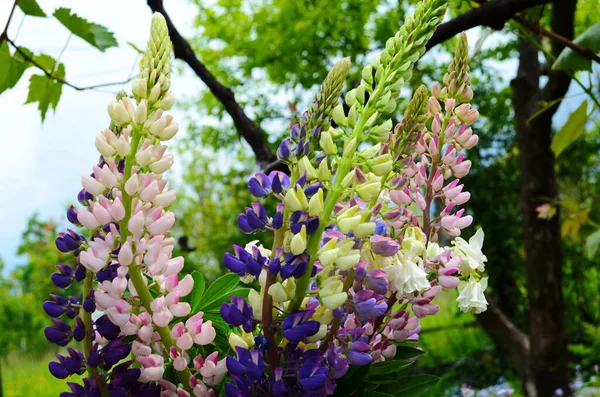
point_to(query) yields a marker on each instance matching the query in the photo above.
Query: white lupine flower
(471, 298)
(470, 254)
(407, 274)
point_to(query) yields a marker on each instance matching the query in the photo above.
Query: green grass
(26, 376)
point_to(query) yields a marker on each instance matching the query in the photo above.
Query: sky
(41, 164)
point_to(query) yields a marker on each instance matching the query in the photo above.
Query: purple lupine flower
(384, 246)
(69, 241)
(297, 326)
(60, 333)
(239, 313)
(366, 306)
(284, 151)
(243, 262)
(277, 221)
(279, 181)
(356, 354)
(63, 278)
(259, 185)
(337, 364)
(295, 265)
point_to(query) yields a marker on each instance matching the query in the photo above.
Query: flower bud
(315, 204)
(141, 112)
(327, 144)
(298, 243)
(118, 113)
(339, 116)
(163, 164)
(139, 88)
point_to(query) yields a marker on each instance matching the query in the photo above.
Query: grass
(27, 376)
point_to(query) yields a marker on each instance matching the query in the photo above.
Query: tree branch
(537, 29)
(50, 74)
(4, 34)
(493, 14)
(245, 126)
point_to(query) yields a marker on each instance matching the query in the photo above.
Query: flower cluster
(131, 317)
(356, 259)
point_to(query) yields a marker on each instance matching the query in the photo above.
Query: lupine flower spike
(131, 314)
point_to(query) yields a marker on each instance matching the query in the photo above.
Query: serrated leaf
(592, 242)
(45, 91)
(198, 291)
(11, 68)
(412, 386)
(219, 288)
(31, 8)
(45, 61)
(571, 130)
(97, 35)
(569, 59)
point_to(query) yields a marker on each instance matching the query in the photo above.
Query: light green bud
(367, 74)
(364, 229)
(360, 94)
(352, 116)
(324, 174)
(381, 165)
(338, 116)
(349, 147)
(326, 142)
(315, 205)
(298, 242)
(304, 165)
(351, 97)
(369, 190)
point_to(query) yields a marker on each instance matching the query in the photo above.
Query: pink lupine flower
(153, 367)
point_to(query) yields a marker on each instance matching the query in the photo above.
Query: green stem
(134, 272)
(88, 340)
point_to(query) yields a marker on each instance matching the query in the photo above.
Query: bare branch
(245, 126)
(3, 35)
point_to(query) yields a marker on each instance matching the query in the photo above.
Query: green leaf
(96, 35)
(379, 394)
(569, 59)
(31, 8)
(215, 304)
(45, 91)
(572, 130)
(199, 286)
(388, 367)
(592, 242)
(11, 68)
(351, 382)
(218, 290)
(406, 352)
(413, 386)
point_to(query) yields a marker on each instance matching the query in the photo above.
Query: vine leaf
(11, 68)
(31, 8)
(569, 59)
(97, 35)
(46, 92)
(572, 130)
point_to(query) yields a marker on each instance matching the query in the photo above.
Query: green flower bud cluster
(457, 81)
(319, 112)
(154, 79)
(413, 123)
